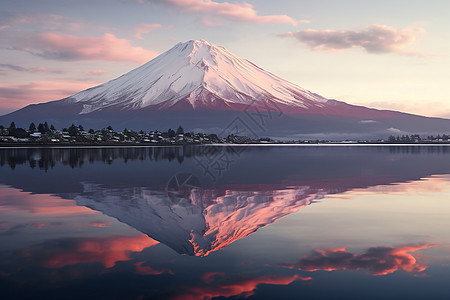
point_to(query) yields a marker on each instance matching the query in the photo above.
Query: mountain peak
(197, 42)
(200, 51)
(194, 46)
(197, 75)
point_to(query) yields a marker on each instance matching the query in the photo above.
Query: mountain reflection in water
(83, 215)
(209, 220)
(199, 220)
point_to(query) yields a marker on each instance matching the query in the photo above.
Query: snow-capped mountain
(199, 75)
(202, 86)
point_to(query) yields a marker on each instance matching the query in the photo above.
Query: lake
(200, 222)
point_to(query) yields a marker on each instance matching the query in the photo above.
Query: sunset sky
(382, 54)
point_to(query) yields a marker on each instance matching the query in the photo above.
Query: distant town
(45, 134)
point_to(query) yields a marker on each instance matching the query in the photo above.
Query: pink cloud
(98, 72)
(44, 21)
(13, 200)
(45, 70)
(100, 224)
(144, 29)
(374, 39)
(73, 48)
(233, 11)
(30, 70)
(210, 22)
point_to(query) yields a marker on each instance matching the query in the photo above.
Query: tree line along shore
(45, 134)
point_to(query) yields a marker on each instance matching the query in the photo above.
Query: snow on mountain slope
(201, 74)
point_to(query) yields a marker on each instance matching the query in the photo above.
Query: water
(240, 222)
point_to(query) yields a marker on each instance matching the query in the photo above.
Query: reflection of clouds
(99, 224)
(107, 251)
(14, 199)
(376, 260)
(147, 270)
(7, 228)
(244, 288)
(211, 276)
(50, 263)
(434, 183)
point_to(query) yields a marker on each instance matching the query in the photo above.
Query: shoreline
(32, 145)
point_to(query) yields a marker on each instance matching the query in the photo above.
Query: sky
(382, 54)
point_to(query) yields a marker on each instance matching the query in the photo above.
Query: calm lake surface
(273, 222)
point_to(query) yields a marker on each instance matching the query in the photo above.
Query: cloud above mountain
(235, 11)
(374, 39)
(67, 47)
(144, 29)
(18, 68)
(53, 22)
